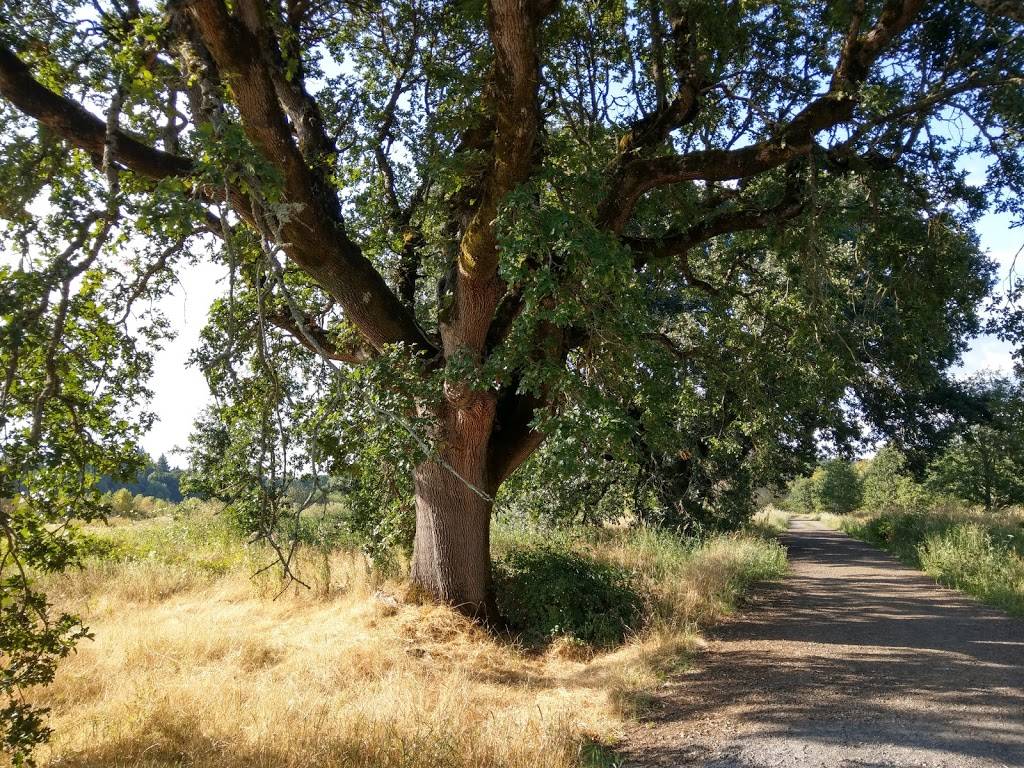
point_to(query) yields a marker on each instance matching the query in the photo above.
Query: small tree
(800, 498)
(836, 487)
(122, 502)
(888, 485)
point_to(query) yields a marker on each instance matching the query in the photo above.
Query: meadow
(199, 658)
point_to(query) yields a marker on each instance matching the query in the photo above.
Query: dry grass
(771, 520)
(201, 666)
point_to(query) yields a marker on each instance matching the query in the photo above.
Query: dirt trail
(854, 660)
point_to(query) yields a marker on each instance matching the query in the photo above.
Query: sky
(180, 392)
(1006, 247)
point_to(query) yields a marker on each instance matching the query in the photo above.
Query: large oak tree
(514, 207)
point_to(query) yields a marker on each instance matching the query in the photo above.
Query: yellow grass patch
(207, 669)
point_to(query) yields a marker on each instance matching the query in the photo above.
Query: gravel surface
(854, 660)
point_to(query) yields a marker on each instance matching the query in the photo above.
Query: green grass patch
(196, 537)
(977, 553)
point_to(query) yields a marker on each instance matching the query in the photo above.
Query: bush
(888, 487)
(834, 488)
(121, 502)
(900, 533)
(966, 557)
(548, 591)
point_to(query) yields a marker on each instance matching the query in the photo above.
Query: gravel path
(854, 660)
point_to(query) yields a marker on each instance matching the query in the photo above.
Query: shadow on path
(853, 660)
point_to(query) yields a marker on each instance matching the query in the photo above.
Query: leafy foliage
(984, 464)
(547, 591)
(836, 487)
(67, 413)
(889, 486)
(800, 496)
(157, 479)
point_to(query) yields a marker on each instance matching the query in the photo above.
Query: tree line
(980, 463)
(156, 479)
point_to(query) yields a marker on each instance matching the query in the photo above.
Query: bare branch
(794, 140)
(316, 339)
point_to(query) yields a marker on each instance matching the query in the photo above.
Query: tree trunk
(451, 552)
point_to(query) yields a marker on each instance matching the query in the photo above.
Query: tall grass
(195, 663)
(978, 552)
(770, 520)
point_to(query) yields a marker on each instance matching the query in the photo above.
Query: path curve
(853, 661)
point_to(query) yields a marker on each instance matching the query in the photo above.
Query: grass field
(196, 662)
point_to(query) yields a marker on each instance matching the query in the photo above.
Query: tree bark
(451, 554)
(454, 499)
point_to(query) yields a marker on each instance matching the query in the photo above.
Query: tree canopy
(681, 241)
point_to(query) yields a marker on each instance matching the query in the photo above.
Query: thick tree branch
(514, 439)
(654, 128)
(1011, 9)
(314, 233)
(318, 340)
(410, 257)
(677, 244)
(304, 116)
(794, 140)
(75, 124)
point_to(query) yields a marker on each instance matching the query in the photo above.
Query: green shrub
(548, 591)
(834, 488)
(121, 502)
(800, 498)
(889, 487)
(899, 532)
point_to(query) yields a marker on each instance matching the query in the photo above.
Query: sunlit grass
(195, 663)
(770, 520)
(970, 549)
